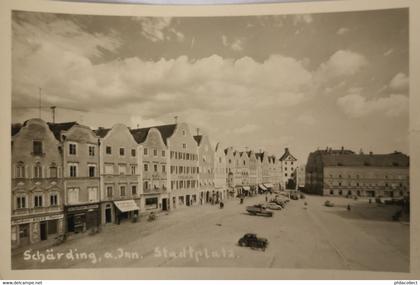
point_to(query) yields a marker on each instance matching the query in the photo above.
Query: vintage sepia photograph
(254, 141)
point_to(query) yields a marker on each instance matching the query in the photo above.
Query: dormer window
(37, 148)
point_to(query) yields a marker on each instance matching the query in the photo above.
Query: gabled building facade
(37, 184)
(208, 193)
(220, 174)
(119, 174)
(288, 164)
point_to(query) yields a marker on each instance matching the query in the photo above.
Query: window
(133, 190)
(38, 170)
(109, 169)
(122, 190)
(163, 153)
(155, 152)
(183, 132)
(122, 151)
(91, 150)
(53, 199)
(73, 170)
(72, 148)
(92, 194)
(146, 167)
(37, 147)
(133, 152)
(109, 191)
(20, 170)
(163, 168)
(145, 185)
(155, 167)
(133, 169)
(53, 171)
(73, 195)
(145, 151)
(38, 200)
(92, 171)
(184, 145)
(108, 150)
(122, 169)
(21, 202)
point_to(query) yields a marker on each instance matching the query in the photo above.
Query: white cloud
(399, 82)
(158, 29)
(356, 106)
(342, 31)
(235, 45)
(341, 63)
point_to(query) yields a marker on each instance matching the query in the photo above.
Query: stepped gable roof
(166, 131)
(102, 132)
(349, 158)
(57, 128)
(286, 154)
(198, 138)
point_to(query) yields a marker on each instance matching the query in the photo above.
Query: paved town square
(364, 238)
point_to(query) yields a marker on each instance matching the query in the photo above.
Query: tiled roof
(56, 128)
(286, 154)
(198, 139)
(166, 131)
(16, 128)
(102, 132)
(349, 158)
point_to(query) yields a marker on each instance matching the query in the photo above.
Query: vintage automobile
(251, 240)
(328, 203)
(273, 206)
(294, 197)
(278, 202)
(259, 209)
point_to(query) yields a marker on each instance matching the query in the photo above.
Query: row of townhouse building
(68, 178)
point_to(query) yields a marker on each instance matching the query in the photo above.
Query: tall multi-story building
(184, 164)
(154, 167)
(220, 175)
(259, 158)
(230, 169)
(119, 174)
(288, 164)
(344, 172)
(206, 170)
(81, 176)
(253, 164)
(243, 170)
(37, 184)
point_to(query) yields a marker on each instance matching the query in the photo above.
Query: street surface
(317, 237)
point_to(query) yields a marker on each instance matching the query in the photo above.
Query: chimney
(176, 119)
(370, 153)
(53, 113)
(286, 149)
(361, 151)
(198, 131)
(138, 126)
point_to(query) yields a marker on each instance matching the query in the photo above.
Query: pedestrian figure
(306, 205)
(348, 207)
(242, 200)
(266, 198)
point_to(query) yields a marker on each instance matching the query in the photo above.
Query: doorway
(43, 230)
(188, 200)
(70, 223)
(165, 204)
(24, 234)
(108, 214)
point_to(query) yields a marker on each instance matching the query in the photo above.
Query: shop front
(31, 230)
(126, 210)
(82, 218)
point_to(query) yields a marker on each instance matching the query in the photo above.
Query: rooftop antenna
(39, 103)
(53, 113)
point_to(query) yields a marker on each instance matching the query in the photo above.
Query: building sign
(37, 219)
(81, 208)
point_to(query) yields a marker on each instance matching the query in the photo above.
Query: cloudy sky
(263, 82)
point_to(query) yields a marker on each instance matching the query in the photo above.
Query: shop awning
(246, 188)
(262, 187)
(268, 185)
(126, 205)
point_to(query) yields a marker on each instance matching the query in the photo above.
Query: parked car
(273, 206)
(251, 240)
(328, 203)
(294, 197)
(302, 196)
(259, 210)
(278, 202)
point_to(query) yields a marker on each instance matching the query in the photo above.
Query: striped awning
(268, 185)
(262, 187)
(126, 205)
